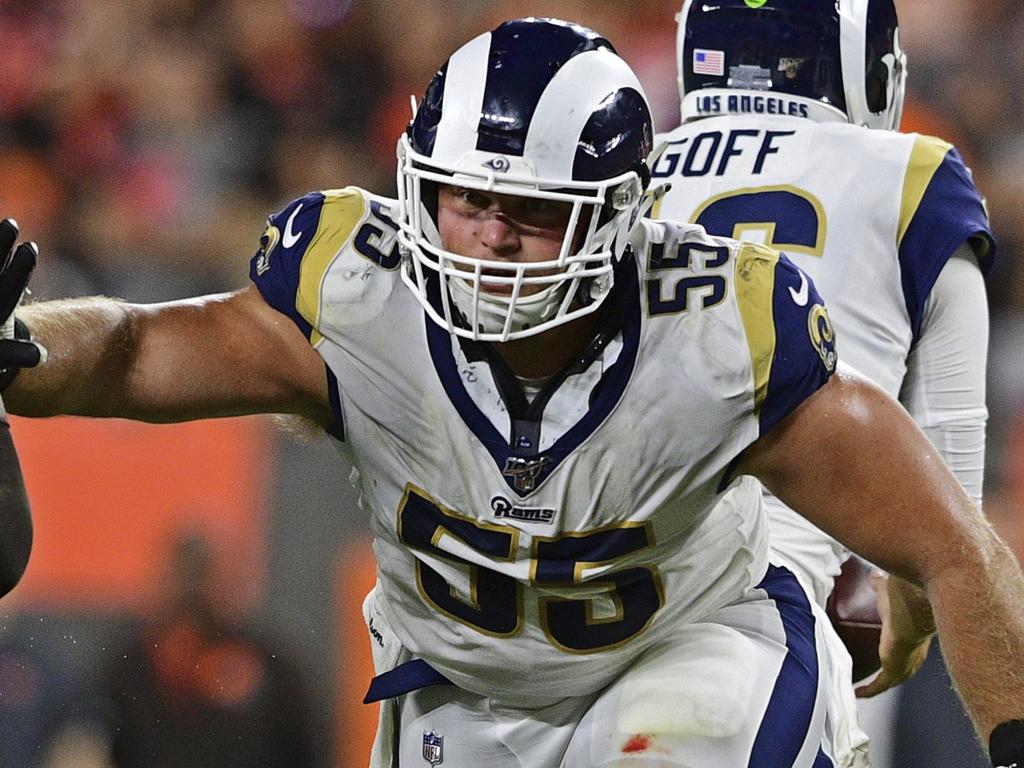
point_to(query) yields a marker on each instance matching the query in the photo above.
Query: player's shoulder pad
(314, 234)
(789, 334)
(940, 208)
(665, 246)
(673, 233)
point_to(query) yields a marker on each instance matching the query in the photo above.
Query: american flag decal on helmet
(708, 62)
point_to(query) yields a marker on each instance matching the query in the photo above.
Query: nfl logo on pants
(433, 747)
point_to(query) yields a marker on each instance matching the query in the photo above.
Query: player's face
(495, 227)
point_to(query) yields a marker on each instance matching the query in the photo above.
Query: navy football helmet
(537, 108)
(826, 59)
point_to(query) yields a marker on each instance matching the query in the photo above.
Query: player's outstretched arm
(221, 355)
(15, 517)
(853, 461)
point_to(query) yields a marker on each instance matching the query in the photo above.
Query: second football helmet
(537, 108)
(823, 59)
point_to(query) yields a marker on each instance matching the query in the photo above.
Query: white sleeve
(944, 389)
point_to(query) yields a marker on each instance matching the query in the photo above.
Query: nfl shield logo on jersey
(433, 747)
(523, 472)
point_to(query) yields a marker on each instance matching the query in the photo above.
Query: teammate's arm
(944, 387)
(854, 463)
(221, 355)
(15, 516)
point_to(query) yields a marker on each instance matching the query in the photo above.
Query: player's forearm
(980, 619)
(219, 355)
(91, 344)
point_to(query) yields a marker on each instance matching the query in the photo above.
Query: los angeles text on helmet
(763, 105)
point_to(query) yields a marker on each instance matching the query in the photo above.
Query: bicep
(222, 355)
(944, 389)
(854, 463)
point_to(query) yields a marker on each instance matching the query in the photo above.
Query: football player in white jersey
(545, 396)
(790, 110)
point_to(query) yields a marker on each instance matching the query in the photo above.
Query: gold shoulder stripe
(755, 287)
(925, 158)
(342, 211)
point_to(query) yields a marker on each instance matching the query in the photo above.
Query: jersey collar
(523, 466)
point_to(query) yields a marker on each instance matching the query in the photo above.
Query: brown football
(853, 612)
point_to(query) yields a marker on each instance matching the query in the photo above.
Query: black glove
(16, 264)
(1006, 745)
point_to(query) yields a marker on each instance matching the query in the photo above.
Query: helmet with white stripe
(823, 59)
(537, 108)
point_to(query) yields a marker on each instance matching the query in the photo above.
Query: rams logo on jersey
(504, 508)
(268, 242)
(819, 326)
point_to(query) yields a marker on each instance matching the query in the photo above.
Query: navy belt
(406, 677)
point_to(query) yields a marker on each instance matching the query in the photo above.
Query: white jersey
(873, 217)
(536, 548)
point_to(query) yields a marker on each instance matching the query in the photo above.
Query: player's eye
(473, 198)
(543, 213)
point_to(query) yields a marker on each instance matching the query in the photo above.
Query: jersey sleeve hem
(336, 428)
(941, 209)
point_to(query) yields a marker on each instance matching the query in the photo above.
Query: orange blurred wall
(110, 496)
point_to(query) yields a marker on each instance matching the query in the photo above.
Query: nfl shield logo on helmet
(433, 747)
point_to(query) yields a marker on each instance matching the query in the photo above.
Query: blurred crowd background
(142, 145)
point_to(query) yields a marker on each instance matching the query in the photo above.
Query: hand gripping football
(854, 614)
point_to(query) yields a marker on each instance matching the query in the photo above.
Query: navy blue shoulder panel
(805, 345)
(275, 269)
(951, 212)
(275, 266)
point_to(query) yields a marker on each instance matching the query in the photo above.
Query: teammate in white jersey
(790, 111)
(15, 517)
(546, 396)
